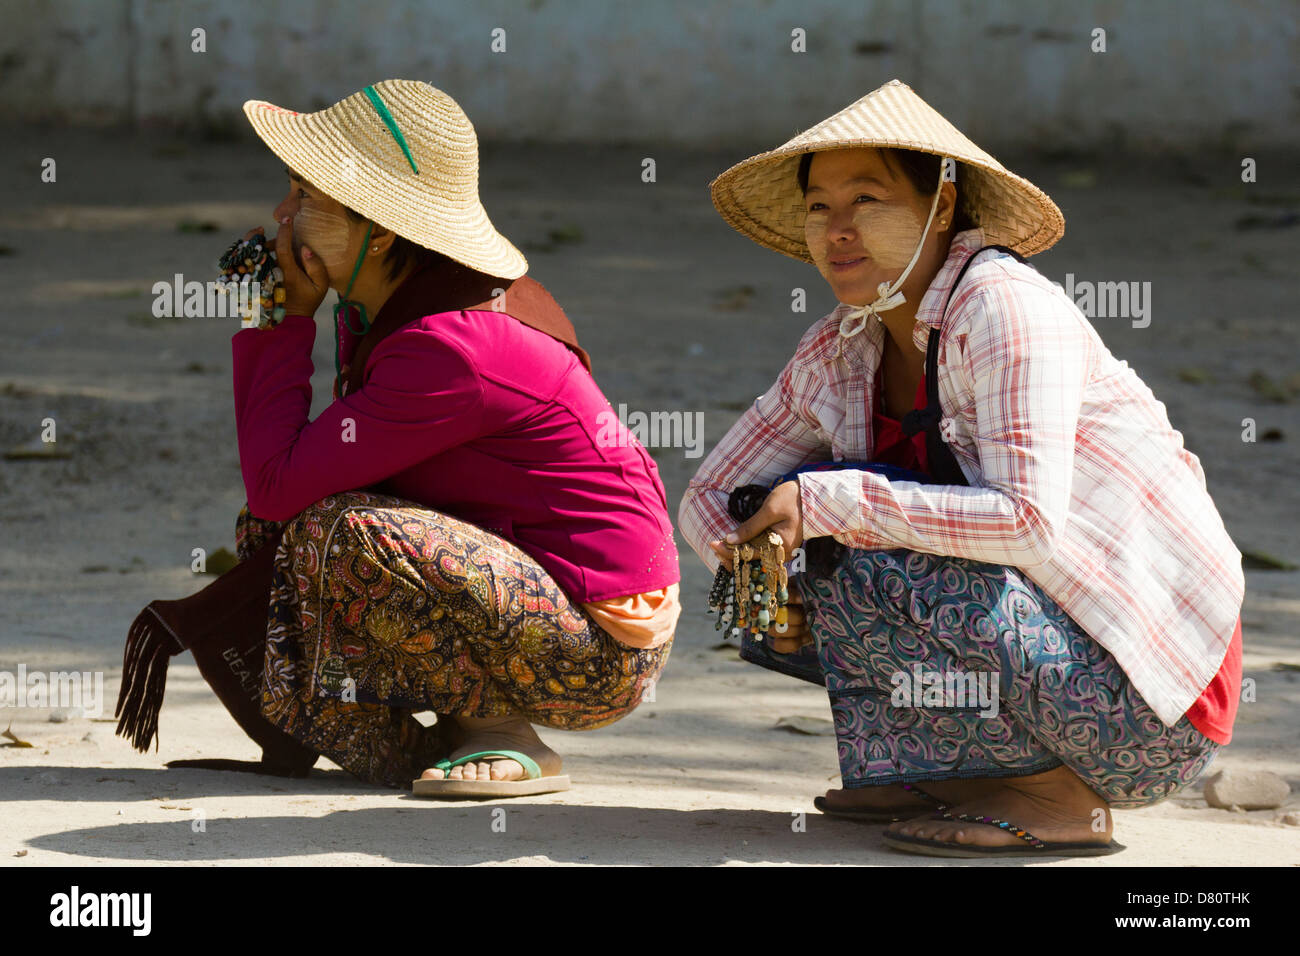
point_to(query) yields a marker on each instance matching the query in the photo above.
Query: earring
(374, 248)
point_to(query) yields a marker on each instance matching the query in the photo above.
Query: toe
(916, 826)
(977, 836)
(507, 770)
(433, 773)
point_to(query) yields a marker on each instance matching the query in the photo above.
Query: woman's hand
(303, 290)
(797, 631)
(781, 512)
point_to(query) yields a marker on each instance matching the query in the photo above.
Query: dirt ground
(679, 313)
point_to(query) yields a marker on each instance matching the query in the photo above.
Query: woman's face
(321, 223)
(863, 223)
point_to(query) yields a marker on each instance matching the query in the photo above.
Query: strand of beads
(253, 260)
(722, 598)
(754, 596)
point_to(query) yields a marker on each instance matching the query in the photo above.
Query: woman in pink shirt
(459, 531)
(1031, 609)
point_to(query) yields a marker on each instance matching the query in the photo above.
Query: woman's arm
(423, 396)
(772, 437)
(1027, 360)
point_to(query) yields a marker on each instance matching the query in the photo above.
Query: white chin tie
(888, 295)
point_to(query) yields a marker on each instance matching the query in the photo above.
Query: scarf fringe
(149, 648)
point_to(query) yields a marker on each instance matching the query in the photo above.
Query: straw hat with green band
(400, 153)
(760, 197)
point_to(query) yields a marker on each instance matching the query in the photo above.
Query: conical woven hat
(760, 197)
(423, 184)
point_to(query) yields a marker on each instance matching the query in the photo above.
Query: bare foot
(476, 734)
(1055, 806)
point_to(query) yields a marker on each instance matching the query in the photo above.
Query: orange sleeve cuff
(639, 620)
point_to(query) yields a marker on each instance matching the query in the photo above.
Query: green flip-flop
(533, 782)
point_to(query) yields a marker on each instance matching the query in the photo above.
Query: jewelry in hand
(754, 595)
(253, 261)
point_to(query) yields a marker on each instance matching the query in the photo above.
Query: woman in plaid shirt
(1046, 624)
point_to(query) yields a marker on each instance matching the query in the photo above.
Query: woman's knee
(618, 686)
(915, 588)
(320, 516)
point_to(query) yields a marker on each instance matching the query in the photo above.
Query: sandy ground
(679, 313)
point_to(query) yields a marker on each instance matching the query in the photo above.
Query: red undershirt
(1212, 713)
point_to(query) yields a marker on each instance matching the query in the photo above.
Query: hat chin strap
(341, 315)
(888, 295)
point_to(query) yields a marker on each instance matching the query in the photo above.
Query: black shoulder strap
(943, 466)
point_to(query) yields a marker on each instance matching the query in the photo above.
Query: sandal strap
(531, 770)
(1011, 828)
(926, 796)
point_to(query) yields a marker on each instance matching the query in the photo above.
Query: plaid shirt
(1077, 478)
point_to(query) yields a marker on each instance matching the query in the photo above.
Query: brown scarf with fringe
(224, 625)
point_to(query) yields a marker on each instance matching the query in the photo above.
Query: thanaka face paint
(815, 225)
(327, 234)
(888, 233)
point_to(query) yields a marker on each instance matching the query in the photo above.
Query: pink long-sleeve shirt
(472, 413)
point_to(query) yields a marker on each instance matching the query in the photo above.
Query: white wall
(1177, 73)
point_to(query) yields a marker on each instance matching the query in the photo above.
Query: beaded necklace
(753, 595)
(248, 261)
